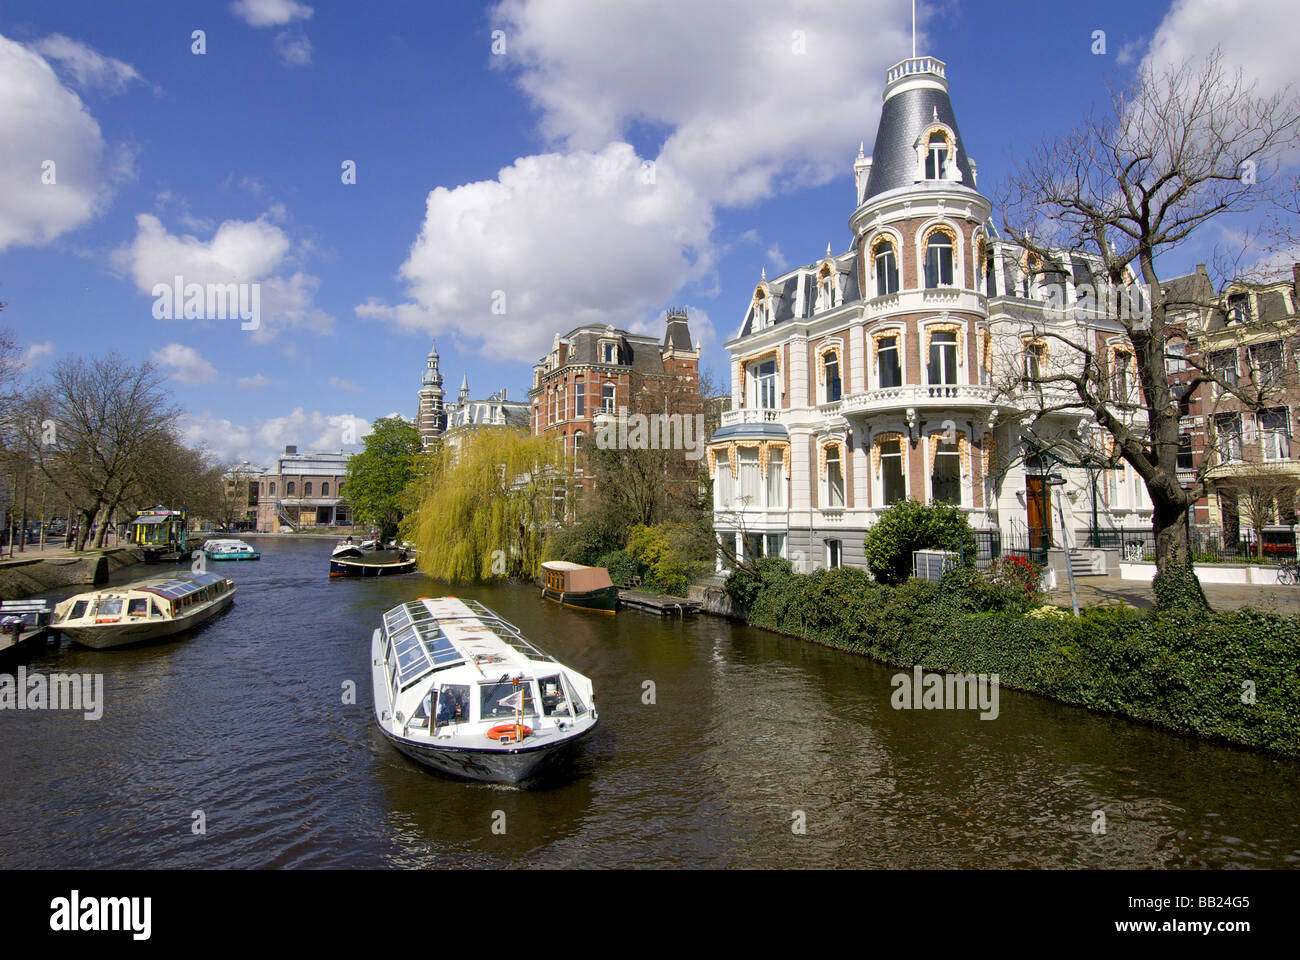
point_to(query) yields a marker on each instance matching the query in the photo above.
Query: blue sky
(522, 171)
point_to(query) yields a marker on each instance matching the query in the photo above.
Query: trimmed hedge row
(1185, 671)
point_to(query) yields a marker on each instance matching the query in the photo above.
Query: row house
(1251, 339)
(895, 369)
(597, 370)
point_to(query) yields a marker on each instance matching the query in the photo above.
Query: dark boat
(351, 560)
(573, 585)
(24, 626)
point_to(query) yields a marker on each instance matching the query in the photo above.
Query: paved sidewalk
(55, 550)
(1094, 591)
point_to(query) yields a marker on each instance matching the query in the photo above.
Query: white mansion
(873, 375)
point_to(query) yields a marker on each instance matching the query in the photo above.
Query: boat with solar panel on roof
(461, 691)
(143, 611)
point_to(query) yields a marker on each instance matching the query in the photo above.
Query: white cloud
(240, 251)
(743, 111)
(556, 240)
(1192, 28)
(43, 122)
(187, 366)
(263, 440)
(270, 13)
(89, 69)
(776, 258)
(293, 48)
(36, 353)
(347, 386)
(258, 381)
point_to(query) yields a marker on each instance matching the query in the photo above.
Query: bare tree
(1177, 150)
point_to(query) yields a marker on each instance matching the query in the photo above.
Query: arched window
(760, 310)
(825, 289)
(580, 399)
(324, 489)
(306, 489)
(832, 361)
(607, 397)
(886, 270)
(577, 452)
(936, 157)
(273, 489)
(938, 261)
(834, 477)
(892, 481)
(290, 487)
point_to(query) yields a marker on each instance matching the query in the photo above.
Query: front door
(1040, 524)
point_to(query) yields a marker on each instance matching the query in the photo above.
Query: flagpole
(913, 29)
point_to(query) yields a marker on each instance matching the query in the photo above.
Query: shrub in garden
(622, 567)
(744, 583)
(908, 526)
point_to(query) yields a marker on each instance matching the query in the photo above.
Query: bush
(909, 526)
(583, 542)
(743, 583)
(622, 567)
(1009, 586)
(669, 554)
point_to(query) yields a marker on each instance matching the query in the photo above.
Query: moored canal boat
(573, 585)
(143, 611)
(459, 690)
(353, 560)
(229, 550)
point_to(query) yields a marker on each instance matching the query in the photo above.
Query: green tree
(486, 505)
(908, 526)
(378, 476)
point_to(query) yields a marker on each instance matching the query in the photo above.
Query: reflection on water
(749, 736)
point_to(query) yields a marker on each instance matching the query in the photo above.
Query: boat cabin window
(108, 608)
(422, 713)
(78, 610)
(138, 607)
(554, 702)
(579, 708)
(453, 703)
(492, 695)
(157, 610)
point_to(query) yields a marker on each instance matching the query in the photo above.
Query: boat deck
(659, 603)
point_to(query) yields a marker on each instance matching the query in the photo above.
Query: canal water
(754, 750)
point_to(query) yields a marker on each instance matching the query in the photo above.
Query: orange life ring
(509, 731)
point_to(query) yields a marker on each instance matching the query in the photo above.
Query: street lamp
(1056, 480)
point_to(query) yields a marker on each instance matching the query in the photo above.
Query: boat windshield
(78, 610)
(554, 702)
(108, 608)
(501, 700)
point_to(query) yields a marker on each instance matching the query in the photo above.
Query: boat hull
(109, 636)
(362, 568)
(234, 556)
(605, 599)
(491, 766)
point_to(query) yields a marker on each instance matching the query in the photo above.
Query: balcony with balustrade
(965, 396)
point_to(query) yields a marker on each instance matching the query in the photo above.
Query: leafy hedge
(1180, 669)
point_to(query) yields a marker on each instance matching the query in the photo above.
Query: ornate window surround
(954, 233)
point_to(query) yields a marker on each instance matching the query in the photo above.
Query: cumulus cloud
(555, 241)
(258, 381)
(184, 365)
(48, 136)
(751, 94)
(37, 352)
(89, 69)
(293, 48)
(240, 251)
(1192, 28)
(261, 441)
(270, 13)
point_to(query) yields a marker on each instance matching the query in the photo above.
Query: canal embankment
(25, 576)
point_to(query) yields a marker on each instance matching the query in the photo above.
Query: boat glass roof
(175, 589)
(418, 643)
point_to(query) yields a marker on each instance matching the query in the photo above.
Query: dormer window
(1239, 308)
(938, 261)
(936, 157)
(608, 352)
(761, 317)
(825, 290)
(886, 270)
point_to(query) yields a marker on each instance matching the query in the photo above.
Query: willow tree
(486, 504)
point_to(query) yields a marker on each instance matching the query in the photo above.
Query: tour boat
(461, 691)
(142, 611)
(229, 550)
(353, 560)
(574, 585)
